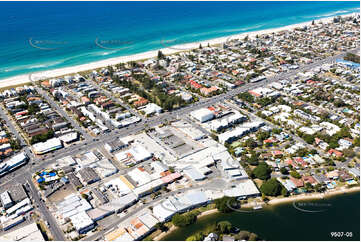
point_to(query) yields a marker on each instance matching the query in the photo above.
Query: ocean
(38, 36)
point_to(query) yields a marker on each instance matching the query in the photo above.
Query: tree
(284, 192)
(245, 96)
(214, 136)
(250, 143)
(284, 170)
(349, 153)
(295, 174)
(271, 187)
(276, 131)
(356, 142)
(319, 188)
(196, 237)
(33, 109)
(253, 160)
(184, 219)
(160, 54)
(225, 204)
(261, 136)
(308, 186)
(262, 171)
(352, 57)
(308, 138)
(161, 227)
(224, 227)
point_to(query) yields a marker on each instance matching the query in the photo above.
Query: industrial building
(13, 162)
(82, 222)
(238, 132)
(28, 232)
(202, 115)
(47, 146)
(6, 200)
(246, 188)
(134, 155)
(173, 204)
(88, 175)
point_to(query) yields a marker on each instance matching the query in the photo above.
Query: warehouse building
(47, 146)
(114, 145)
(12, 222)
(88, 175)
(28, 232)
(238, 132)
(82, 222)
(202, 115)
(246, 188)
(178, 204)
(6, 200)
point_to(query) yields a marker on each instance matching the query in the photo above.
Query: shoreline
(171, 229)
(24, 78)
(273, 202)
(313, 196)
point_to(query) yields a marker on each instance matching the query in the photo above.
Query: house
(355, 172)
(333, 152)
(297, 182)
(343, 175)
(344, 143)
(309, 179)
(140, 102)
(208, 91)
(277, 153)
(333, 174)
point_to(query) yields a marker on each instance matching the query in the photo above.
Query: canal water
(335, 218)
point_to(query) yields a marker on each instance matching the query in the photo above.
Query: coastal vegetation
(182, 220)
(295, 174)
(262, 171)
(225, 204)
(271, 187)
(223, 228)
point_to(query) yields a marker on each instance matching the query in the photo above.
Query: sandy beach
(23, 79)
(314, 196)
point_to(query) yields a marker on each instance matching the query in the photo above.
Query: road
(53, 226)
(137, 210)
(63, 113)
